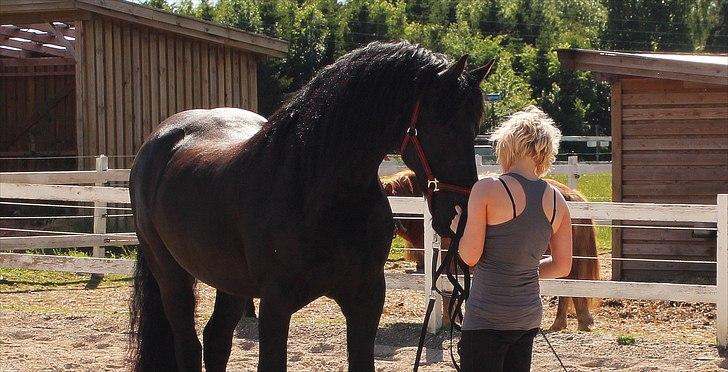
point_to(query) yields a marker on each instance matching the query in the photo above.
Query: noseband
(433, 184)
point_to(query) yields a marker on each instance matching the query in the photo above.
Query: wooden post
(722, 275)
(432, 251)
(102, 165)
(616, 120)
(573, 177)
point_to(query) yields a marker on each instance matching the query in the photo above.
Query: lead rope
(458, 296)
(552, 349)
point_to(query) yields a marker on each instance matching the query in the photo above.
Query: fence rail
(11, 187)
(573, 169)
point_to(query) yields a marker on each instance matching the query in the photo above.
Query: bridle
(433, 184)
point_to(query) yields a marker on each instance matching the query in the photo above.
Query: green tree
(242, 14)
(717, 39)
(649, 25)
(185, 7)
(307, 50)
(366, 21)
(205, 10)
(159, 4)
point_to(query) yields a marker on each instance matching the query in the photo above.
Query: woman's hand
(456, 219)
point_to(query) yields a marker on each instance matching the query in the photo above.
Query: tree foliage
(523, 34)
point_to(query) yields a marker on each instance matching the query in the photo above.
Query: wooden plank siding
(133, 77)
(37, 115)
(670, 146)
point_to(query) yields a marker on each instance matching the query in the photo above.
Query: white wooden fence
(20, 186)
(573, 169)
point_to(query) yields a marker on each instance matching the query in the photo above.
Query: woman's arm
(473, 240)
(559, 264)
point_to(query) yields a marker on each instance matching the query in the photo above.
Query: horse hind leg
(173, 302)
(583, 316)
(218, 333)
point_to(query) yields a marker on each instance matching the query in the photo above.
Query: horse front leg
(362, 305)
(273, 323)
(561, 312)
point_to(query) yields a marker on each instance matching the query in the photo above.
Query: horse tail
(151, 342)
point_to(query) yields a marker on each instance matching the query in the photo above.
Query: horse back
(181, 188)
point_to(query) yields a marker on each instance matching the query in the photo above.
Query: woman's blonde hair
(528, 133)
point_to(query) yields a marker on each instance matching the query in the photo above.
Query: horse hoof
(585, 325)
(557, 326)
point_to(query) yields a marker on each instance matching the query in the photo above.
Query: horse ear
(481, 73)
(455, 70)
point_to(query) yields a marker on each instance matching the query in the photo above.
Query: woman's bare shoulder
(484, 188)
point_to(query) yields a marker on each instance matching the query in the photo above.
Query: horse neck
(349, 176)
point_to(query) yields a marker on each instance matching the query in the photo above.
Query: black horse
(271, 209)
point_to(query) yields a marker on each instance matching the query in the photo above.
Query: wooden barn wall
(37, 115)
(134, 77)
(673, 148)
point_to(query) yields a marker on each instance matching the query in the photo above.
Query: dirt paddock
(67, 328)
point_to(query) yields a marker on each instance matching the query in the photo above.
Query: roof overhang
(702, 68)
(44, 11)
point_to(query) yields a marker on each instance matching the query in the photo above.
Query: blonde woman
(511, 221)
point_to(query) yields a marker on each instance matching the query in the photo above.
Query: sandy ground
(68, 328)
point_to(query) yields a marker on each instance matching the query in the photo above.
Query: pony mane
(403, 183)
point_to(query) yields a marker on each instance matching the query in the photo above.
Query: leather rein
(433, 184)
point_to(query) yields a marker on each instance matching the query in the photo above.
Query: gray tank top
(505, 294)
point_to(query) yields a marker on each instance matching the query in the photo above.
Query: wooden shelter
(90, 77)
(669, 145)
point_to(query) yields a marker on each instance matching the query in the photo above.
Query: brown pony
(403, 184)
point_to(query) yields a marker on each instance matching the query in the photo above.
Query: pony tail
(151, 345)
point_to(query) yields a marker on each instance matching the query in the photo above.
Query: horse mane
(403, 183)
(352, 107)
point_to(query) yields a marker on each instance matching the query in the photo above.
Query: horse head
(439, 143)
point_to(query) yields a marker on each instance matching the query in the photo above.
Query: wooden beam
(15, 31)
(37, 61)
(37, 73)
(35, 6)
(616, 121)
(65, 193)
(23, 243)
(14, 53)
(65, 28)
(34, 47)
(633, 64)
(49, 15)
(66, 177)
(630, 290)
(67, 264)
(60, 40)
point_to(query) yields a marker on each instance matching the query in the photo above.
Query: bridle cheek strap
(433, 185)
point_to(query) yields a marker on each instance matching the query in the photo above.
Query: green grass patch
(14, 280)
(626, 340)
(596, 188)
(396, 252)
